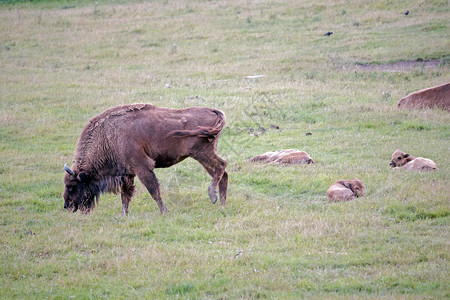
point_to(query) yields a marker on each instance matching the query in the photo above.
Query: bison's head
(399, 158)
(79, 192)
(356, 186)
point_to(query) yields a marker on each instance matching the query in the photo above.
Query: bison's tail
(201, 131)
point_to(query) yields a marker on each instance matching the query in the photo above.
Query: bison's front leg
(125, 202)
(148, 178)
(126, 194)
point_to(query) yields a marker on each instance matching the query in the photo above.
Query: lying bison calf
(132, 140)
(405, 161)
(284, 157)
(343, 190)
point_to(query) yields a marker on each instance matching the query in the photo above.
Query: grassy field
(62, 62)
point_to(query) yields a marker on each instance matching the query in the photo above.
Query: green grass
(63, 62)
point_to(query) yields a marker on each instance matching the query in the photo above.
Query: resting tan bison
(435, 97)
(284, 157)
(405, 161)
(132, 140)
(344, 190)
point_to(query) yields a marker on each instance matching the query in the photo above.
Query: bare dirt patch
(401, 66)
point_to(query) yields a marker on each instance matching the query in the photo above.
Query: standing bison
(132, 140)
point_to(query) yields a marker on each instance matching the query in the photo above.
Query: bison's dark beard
(89, 198)
(90, 193)
(72, 208)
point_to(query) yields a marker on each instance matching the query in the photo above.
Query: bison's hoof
(213, 197)
(212, 193)
(163, 209)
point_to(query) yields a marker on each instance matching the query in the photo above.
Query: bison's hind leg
(223, 185)
(212, 192)
(215, 166)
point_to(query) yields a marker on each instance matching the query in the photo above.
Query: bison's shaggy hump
(435, 97)
(289, 156)
(116, 112)
(95, 128)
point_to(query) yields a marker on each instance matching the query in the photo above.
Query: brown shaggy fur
(132, 140)
(402, 160)
(284, 157)
(435, 97)
(344, 190)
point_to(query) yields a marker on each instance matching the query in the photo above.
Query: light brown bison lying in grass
(405, 161)
(435, 97)
(344, 190)
(284, 157)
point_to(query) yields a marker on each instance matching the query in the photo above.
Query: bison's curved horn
(69, 170)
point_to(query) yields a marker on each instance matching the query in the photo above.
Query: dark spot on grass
(414, 126)
(180, 289)
(411, 213)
